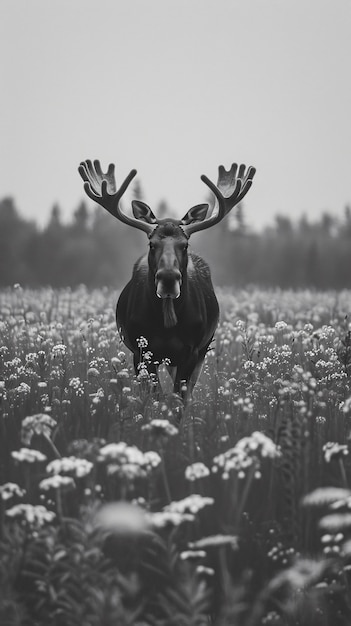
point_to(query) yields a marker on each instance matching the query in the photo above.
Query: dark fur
(140, 313)
(169, 315)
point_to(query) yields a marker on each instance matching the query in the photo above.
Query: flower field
(118, 506)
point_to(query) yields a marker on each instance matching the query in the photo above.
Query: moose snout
(168, 283)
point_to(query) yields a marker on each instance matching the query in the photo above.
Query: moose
(170, 300)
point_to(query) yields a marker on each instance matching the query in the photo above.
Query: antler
(101, 188)
(231, 187)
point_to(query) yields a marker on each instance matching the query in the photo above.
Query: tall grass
(119, 506)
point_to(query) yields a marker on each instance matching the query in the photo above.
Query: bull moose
(170, 299)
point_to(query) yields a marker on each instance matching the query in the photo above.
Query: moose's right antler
(101, 188)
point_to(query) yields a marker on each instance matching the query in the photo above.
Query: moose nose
(168, 283)
(167, 275)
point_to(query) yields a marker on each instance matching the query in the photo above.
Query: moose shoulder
(170, 299)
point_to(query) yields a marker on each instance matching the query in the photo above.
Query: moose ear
(142, 211)
(195, 214)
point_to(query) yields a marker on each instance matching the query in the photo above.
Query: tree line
(97, 250)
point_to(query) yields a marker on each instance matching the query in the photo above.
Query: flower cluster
(333, 451)
(70, 465)
(28, 455)
(195, 471)
(248, 452)
(56, 482)
(10, 490)
(192, 504)
(160, 428)
(39, 424)
(33, 515)
(128, 461)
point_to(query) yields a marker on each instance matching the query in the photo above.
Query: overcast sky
(173, 88)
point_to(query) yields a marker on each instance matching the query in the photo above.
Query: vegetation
(94, 249)
(120, 507)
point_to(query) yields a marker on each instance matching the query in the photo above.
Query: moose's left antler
(231, 187)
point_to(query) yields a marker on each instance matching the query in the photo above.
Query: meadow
(119, 506)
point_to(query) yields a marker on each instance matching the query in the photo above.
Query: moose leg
(188, 375)
(172, 371)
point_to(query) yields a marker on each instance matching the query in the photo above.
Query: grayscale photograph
(175, 313)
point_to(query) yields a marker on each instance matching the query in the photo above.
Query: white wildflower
(34, 515)
(59, 350)
(169, 518)
(159, 427)
(128, 461)
(9, 490)
(56, 482)
(70, 465)
(122, 518)
(325, 495)
(142, 342)
(334, 451)
(39, 424)
(192, 504)
(280, 326)
(214, 541)
(28, 455)
(196, 471)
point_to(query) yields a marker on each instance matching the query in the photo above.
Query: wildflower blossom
(196, 471)
(248, 452)
(192, 504)
(93, 372)
(203, 570)
(70, 465)
(9, 490)
(335, 522)
(240, 325)
(77, 386)
(192, 555)
(214, 541)
(127, 461)
(325, 495)
(39, 424)
(124, 373)
(31, 357)
(152, 458)
(346, 405)
(320, 419)
(334, 451)
(28, 455)
(59, 350)
(142, 342)
(169, 518)
(280, 326)
(35, 515)
(342, 503)
(23, 389)
(161, 427)
(56, 482)
(122, 518)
